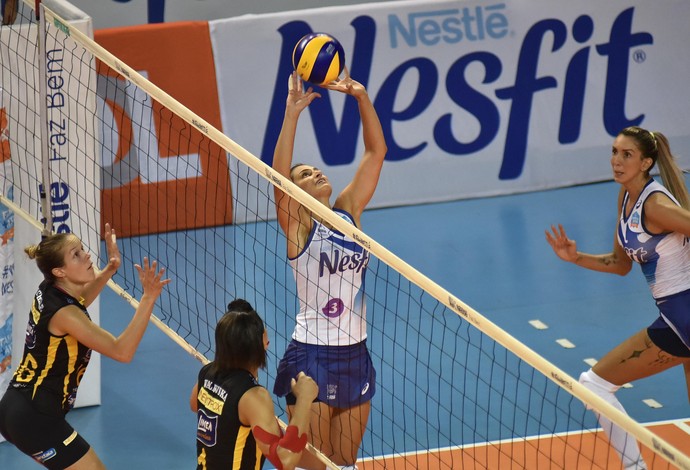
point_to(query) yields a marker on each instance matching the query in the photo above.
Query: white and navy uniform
(665, 262)
(329, 340)
(329, 273)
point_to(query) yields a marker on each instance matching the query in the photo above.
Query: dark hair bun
(240, 305)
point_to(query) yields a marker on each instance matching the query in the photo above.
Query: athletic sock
(623, 442)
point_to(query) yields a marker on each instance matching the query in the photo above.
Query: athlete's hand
(114, 257)
(564, 247)
(298, 98)
(304, 387)
(151, 279)
(346, 85)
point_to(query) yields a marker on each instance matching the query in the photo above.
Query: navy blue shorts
(345, 374)
(47, 438)
(671, 331)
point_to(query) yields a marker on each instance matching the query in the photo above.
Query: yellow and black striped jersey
(52, 366)
(223, 442)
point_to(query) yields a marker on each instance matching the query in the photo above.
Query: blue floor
(491, 253)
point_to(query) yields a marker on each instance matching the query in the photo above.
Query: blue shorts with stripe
(345, 374)
(671, 331)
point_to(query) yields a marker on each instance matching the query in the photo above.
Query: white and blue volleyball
(318, 58)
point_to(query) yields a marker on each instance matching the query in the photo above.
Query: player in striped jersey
(236, 424)
(59, 339)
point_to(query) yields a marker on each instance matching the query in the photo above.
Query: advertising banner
(476, 98)
(72, 156)
(6, 258)
(74, 159)
(150, 154)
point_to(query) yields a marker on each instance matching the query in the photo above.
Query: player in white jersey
(329, 341)
(653, 229)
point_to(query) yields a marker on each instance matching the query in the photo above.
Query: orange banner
(161, 174)
(4, 137)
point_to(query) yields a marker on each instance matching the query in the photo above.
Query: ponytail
(671, 173)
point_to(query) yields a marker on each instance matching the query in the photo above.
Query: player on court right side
(653, 229)
(329, 341)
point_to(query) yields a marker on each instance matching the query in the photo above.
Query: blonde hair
(50, 253)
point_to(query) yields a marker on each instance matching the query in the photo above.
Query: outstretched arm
(71, 321)
(357, 194)
(94, 288)
(297, 101)
(616, 262)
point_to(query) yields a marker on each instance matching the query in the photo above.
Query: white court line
(538, 324)
(678, 422)
(652, 403)
(566, 343)
(684, 426)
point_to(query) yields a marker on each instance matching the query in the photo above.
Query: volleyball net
(93, 141)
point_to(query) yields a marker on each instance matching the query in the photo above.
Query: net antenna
(461, 377)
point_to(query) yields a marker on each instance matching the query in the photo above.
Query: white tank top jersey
(664, 258)
(329, 273)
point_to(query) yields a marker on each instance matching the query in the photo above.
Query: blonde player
(59, 339)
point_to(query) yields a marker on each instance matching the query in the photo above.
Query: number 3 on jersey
(334, 308)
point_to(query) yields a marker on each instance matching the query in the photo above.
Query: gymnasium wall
(117, 13)
(476, 98)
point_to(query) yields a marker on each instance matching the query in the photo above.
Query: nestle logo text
(450, 26)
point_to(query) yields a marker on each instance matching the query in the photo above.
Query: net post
(44, 152)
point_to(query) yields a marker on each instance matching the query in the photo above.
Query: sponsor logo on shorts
(365, 389)
(331, 391)
(71, 437)
(45, 455)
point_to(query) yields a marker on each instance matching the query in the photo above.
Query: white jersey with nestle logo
(330, 285)
(664, 258)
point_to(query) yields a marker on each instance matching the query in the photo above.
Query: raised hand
(114, 257)
(564, 247)
(346, 85)
(151, 280)
(298, 98)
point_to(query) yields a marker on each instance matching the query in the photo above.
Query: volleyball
(318, 58)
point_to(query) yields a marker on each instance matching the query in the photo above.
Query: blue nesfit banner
(475, 98)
